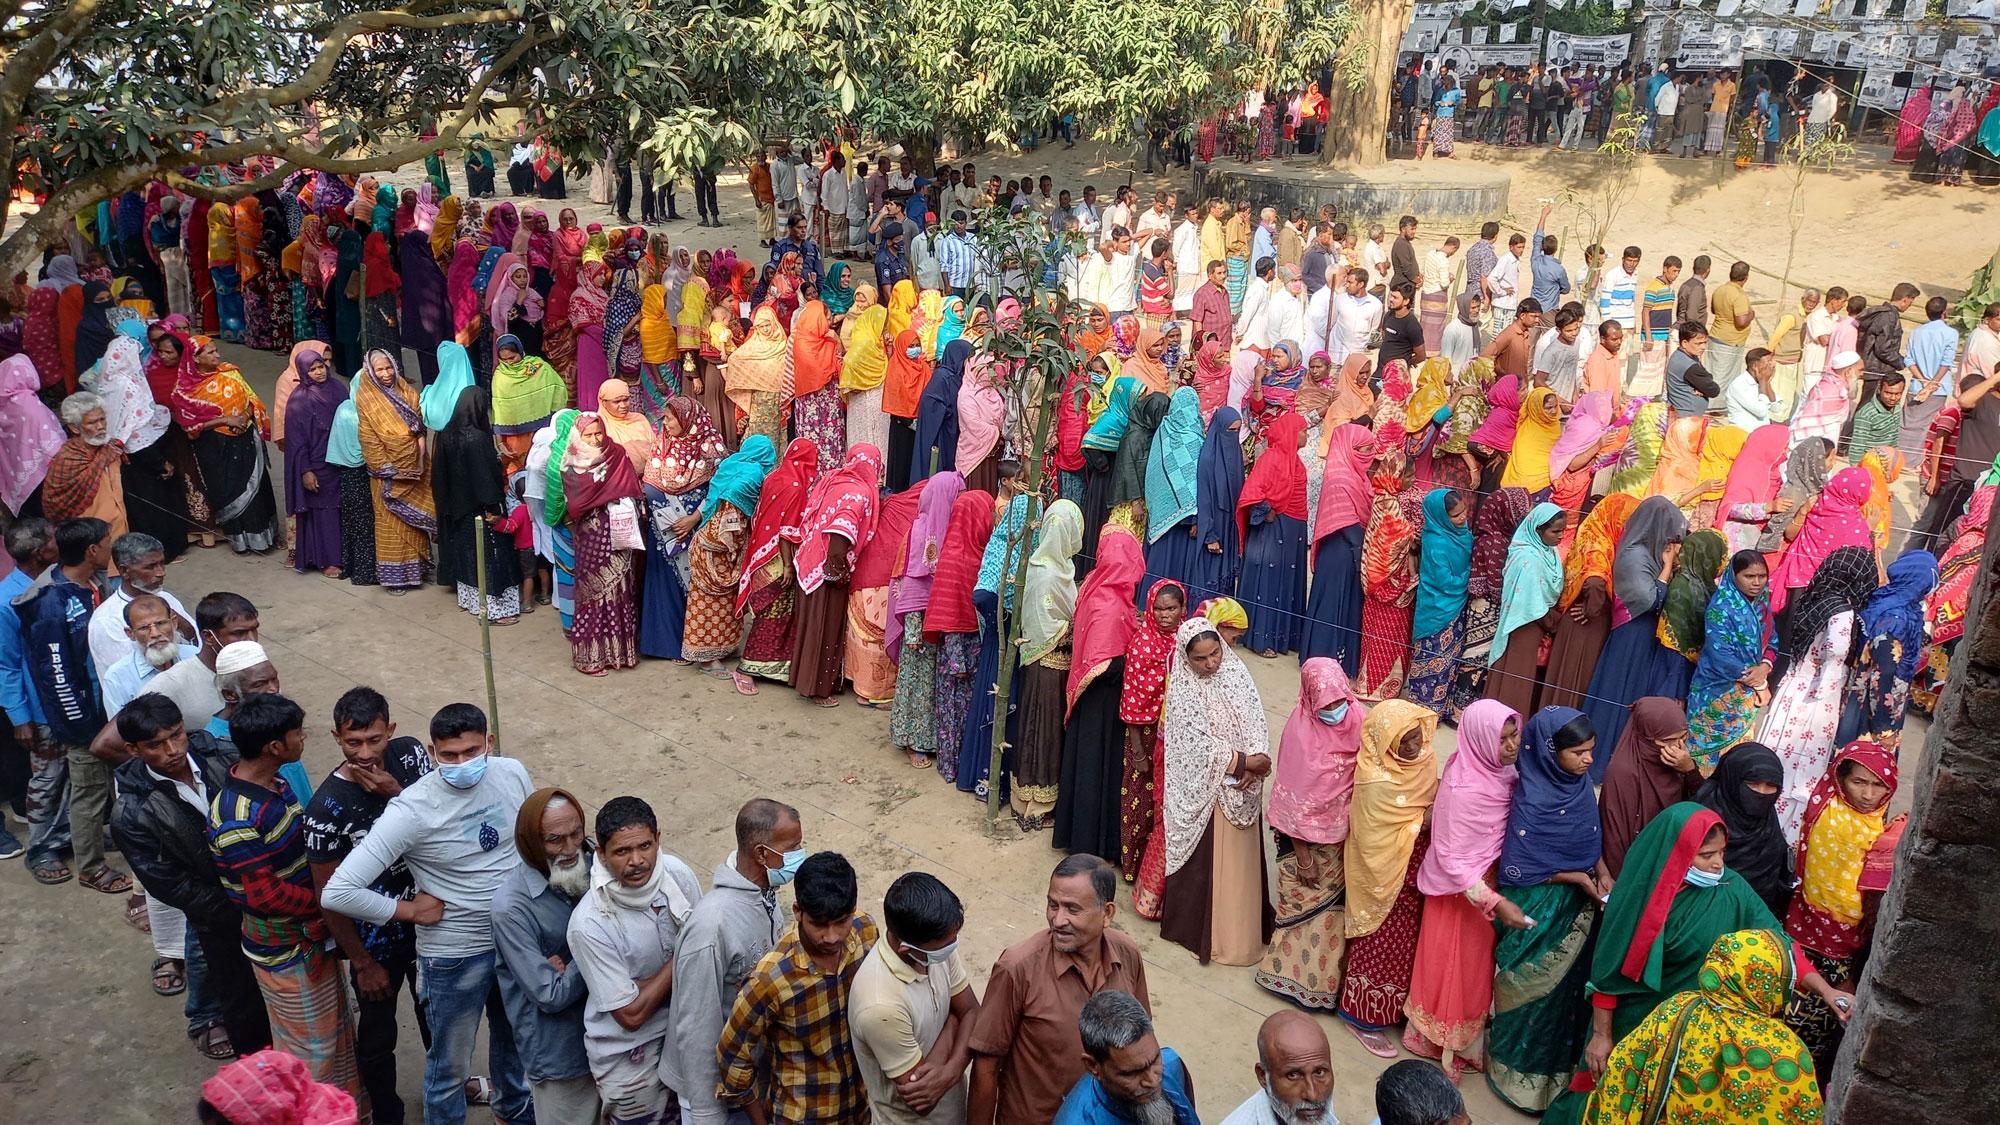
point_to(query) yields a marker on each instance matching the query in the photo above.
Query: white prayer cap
(238, 656)
(1844, 360)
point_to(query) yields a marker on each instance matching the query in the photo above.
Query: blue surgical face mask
(914, 352)
(779, 876)
(932, 957)
(464, 775)
(1696, 877)
(1332, 716)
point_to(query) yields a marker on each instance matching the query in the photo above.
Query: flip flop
(744, 684)
(1374, 1042)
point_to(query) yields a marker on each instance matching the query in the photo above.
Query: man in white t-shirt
(1110, 275)
(1120, 213)
(142, 569)
(1188, 266)
(1357, 313)
(1156, 221)
(910, 1008)
(1505, 282)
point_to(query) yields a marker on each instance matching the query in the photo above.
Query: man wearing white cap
(243, 669)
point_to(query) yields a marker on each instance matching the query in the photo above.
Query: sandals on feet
(169, 976)
(744, 684)
(50, 871)
(106, 879)
(135, 914)
(213, 1043)
(1375, 1042)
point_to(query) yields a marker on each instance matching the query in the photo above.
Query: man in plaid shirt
(793, 1010)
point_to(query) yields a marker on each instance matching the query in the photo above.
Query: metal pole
(485, 626)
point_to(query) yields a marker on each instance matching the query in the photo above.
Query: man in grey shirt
(540, 983)
(623, 934)
(785, 181)
(730, 930)
(1691, 390)
(454, 830)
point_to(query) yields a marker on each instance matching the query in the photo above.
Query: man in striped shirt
(256, 830)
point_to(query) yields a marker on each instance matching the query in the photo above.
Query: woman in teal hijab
(952, 325)
(441, 398)
(1437, 627)
(1100, 455)
(837, 293)
(357, 510)
(1528, 595)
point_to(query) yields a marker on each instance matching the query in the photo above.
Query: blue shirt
(890, 268)
(1551, 279)
(1447, 103)
(17, 694)
(956, 255)
(1261, 246)
(1654, 85)
(1088, 1104)
(1933, 346)
(123, 681)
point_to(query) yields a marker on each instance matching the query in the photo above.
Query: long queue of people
(1446, 501)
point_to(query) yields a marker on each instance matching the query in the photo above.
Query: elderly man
(161, 823)
(149, 631)
(1129, 1076)
(86, 477)
(244, 669)
(141, 564)
(1294, 1072)
(623, 934)
(376, 764)
(1026, 1051)
(540, 981)
(1416, 1092)
(724, 938)
(911, 1009)
(454, 828)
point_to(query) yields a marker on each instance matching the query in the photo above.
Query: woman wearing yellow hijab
(1720, 445)
(1534, 438)
(1679, 469)
(862, 370)
(444, 232)
(928, 318)
(1395, 783)
(902, 306)
(658, 346)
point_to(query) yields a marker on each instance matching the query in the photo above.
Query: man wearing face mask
(142, 569)
(220, 619)
(623, 933)
(729, 931)
(911, 1007)
(540, 981)
(454, 830)
(1294, 1072)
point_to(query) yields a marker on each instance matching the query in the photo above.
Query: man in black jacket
(1878, 336)
(160, 822)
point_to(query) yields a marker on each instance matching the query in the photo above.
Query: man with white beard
(149, 627)
(540, 982)
(1294, 1075)
(142, 569)
(1129, 1077)
(624, 933)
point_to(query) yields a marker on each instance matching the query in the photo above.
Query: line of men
(611, 985)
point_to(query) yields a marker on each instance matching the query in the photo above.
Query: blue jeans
(201, 1009)
(455, 991)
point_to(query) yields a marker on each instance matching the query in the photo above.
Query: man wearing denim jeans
(454, 830)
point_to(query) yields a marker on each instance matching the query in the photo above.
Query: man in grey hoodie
(730, 930)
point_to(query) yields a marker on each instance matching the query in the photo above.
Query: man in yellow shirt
(1730, 318)
(1718, 114)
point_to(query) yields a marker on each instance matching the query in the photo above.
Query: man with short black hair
(1555, 362)
(911, 1007)
(1730, 320)
(220, 619)
(1128, 1075)
(255, 831)
(1402, 332)
(1933, 357)
(161, 824)
(723, 939)
(1691, 390)
(1691, 299)
(1480, 258)
(1417, 1092)
(142, 569)
(1403, 269)
(31, 543)
(789, 1023)
(1294, 1071)
(454, 829)
(1027, 1051)
(623, 933)
(376, 763)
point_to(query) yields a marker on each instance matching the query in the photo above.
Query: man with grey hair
(1264, 240)
(86, 475)
(1294, 1072)
(141, 563)
(1417, 1092)
(1128, 1076)
(728, 932)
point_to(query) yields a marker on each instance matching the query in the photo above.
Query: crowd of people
(1642, 565)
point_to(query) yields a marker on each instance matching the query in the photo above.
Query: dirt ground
(78, 1003)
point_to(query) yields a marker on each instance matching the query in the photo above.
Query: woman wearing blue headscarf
(1437, 629)
(1218, 485)
(1892, 639)
(1100, 456)
(357, 504)
(712, 627)
(937, 415)
(1173, 488)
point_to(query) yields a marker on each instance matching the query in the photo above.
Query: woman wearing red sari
(766, 590)
(1147, 657)
(836, 524)
(601, 489)
(1389, 571)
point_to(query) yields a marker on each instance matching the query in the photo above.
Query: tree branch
(26, 66)
(335, 43)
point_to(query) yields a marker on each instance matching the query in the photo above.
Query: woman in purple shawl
(426, 311)
(913, 717)
(312, 484)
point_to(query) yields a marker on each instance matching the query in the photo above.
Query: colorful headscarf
(1444, 561)
(1103, 624)
(1833, 523)
(1392, 799)
(966, 538)
(1534, 578)
(1896, 610)
(740, 477)
(1553, 826)
(690, 458)
(1314, 777)
(1048, 601)
(1701, 560)
(844, 503)
(1148, 656)
(1171, 464)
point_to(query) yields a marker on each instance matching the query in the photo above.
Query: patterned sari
(1720, 710)
(392, 447)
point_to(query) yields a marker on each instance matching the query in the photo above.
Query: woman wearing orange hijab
(816, 409)
(903, 385)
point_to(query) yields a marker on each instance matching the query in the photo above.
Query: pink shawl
(1503, 414)
(1344, 493)
(458, 284)
(1315, 772)
(1581, 432)
(910, 590)
(982, 411)
(1835, 521)
(1469, 820)
(30, 431)
(843, 503)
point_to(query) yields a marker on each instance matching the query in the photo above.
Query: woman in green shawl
(527, 392)
(555, 510)
(1673, 899)
(837, 294)
(1683, 613)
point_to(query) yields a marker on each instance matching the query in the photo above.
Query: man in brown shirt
(1026, 1049)
(1513, 346)
(765, 196)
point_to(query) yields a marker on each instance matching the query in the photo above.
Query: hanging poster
(1825, 43)
(1588, 50)
(1878, 89)
(1928, 45)
(1710, 47)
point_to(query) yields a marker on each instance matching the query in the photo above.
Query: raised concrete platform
(1430, 189)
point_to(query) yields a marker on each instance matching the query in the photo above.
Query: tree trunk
(1357, 128)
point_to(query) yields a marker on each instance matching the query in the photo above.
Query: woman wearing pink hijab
(1313, 781)
(982, 412)
(1835, 521)
(1452, 988)
(29, 432)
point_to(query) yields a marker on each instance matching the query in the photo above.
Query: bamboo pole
(485, 626)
